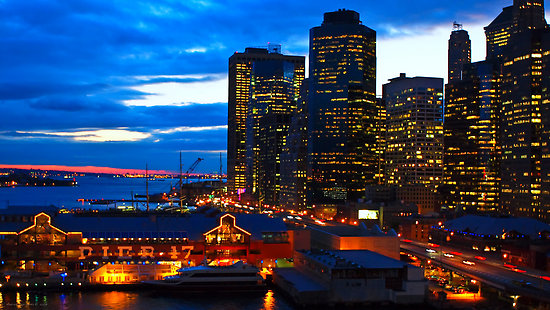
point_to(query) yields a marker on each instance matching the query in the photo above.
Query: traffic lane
(535, 275)
(482, 270)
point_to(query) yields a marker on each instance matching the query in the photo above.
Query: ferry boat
(237, 277)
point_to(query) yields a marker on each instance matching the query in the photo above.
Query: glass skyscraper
(414, 139)
(471, 130)
(343, 116)
(497, 122)
(263, 90)
(521, 125)
(460, 52)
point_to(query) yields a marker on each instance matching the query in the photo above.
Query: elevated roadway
(513, 280)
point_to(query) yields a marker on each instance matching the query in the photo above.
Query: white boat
(236, 277)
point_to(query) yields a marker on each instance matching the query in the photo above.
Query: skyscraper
(414, 139)
(460, 52)
(263, 89)
(498, 33)
(342, 111)
(471, 175)
(497, 119)
(293, 158)
(521, 122)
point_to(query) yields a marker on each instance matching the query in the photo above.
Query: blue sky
(117, 83)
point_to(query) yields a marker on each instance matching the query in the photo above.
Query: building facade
(71, 243)
(503, 128)
(472, 155)
(342, 111)
(293, 158)
(263, 89)
(414, 139)
(521, 130)
(460, 52)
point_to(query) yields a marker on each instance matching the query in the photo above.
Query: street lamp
(515, 303)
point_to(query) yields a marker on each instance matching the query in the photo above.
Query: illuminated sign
(368, 214)
(125, 252)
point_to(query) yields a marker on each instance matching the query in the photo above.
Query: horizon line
(87, 169)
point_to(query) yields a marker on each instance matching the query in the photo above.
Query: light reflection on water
(117, 300)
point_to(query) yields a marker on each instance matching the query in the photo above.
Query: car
(430, 251)
(448, 255)
(459, 290)
(469, 263)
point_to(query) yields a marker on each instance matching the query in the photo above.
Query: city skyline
(101, 85)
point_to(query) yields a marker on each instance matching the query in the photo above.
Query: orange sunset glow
(85, 169)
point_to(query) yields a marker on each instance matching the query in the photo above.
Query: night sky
(114, 83)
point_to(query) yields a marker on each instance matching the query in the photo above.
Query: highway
(515, 281)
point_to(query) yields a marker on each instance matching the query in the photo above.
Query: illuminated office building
(293, 158)
(522, 127)
(545, 119)
(263, 89)
(498, 33)
(471, 173)
(503, 103)
(381, 141)
(460, 52)
(414, 139)
(342, 112)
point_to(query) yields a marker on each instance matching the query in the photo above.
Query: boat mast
(147, 185)
(181, 185)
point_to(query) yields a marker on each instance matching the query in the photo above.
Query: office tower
(521, 122)
(523, 15)
(545, 119)
(342, 111)
(498, 33)
(471, 157)
(293, 158)
(503, 102)
(381, 140)
(414, 139)
(460, 52)
(263, 89)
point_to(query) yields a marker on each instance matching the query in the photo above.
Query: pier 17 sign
(174, 252)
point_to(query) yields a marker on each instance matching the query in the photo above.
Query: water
(89, 187)
(116, 300)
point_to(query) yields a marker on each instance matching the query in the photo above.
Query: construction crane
(180, 183)
(192, 168)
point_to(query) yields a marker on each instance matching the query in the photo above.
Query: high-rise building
(342, 111)
(545, 119)
(263, 89)
(497, 119)
(460, 52)
(293, 158)
(414, 139)
(471, 175)
(498, 33)
(521, 122)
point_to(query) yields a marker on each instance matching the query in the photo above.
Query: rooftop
(337, 259)
(361, 230)
(484, 225)
(193, 227)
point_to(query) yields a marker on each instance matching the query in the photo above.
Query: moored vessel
(238, 277)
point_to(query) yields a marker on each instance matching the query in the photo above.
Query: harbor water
(89, 187)
(117, 300)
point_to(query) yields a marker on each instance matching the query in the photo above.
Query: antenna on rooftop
(457, 26)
